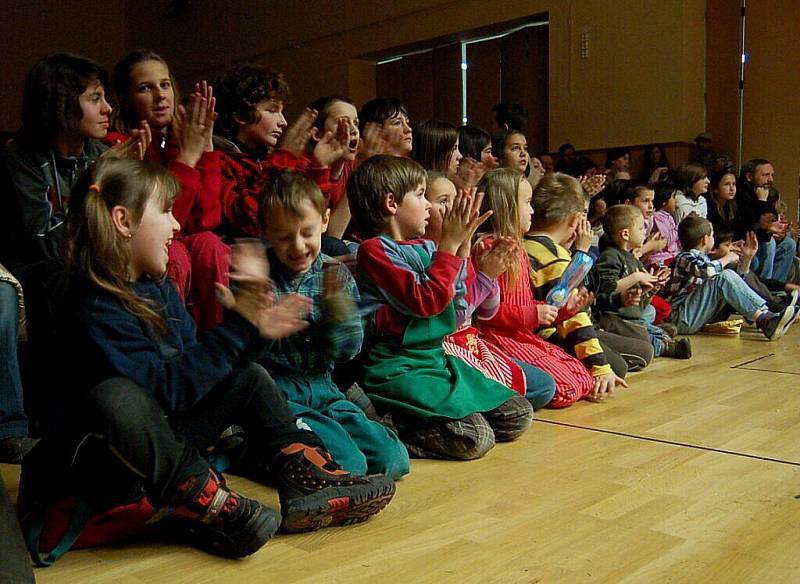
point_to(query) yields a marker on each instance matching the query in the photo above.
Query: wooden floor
(691, 475)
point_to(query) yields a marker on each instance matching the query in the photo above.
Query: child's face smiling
(413, 213)
(440, 194)
(150, 240)
(296, 238)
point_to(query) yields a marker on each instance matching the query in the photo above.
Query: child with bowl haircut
(294, 217)
(442, 407)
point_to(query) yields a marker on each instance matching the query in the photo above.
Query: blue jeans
(658, 338)
(710, 297)
(540, 387)
(784, 256)
(13, 422)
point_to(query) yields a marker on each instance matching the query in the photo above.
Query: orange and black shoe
(315, 492)
(219, 520)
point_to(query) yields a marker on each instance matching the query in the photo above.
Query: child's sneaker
(315, 492)
(219, 520)
(774, 325)
(677, 349)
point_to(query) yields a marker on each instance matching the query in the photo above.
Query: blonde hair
(95, 249)
(501, 188)
(619, 217)
(288, 189)
(556, 198)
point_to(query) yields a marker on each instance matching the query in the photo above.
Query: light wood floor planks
(691, 475)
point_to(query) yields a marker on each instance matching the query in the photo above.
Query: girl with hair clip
(510, 148)
(692, 182)
(436, 147)
(153, 397)
(475, 146)
(512, 328)
(65, 114)
(146, 92)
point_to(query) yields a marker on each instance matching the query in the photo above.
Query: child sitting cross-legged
(148, 397)
(700, 289)
(294, 216)
(442, 407)
(624, 288)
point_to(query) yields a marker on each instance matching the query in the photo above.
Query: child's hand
(730, 258)
(278, 320)
(646, 279)
(495, 259)
(577, 301)
(762, 193)
(249, 265)
(594, 184)
(297, 136)
(662, 276)
(750, 247)
(583, 236)
(194, 127)
(332, 148)
(779, 227)
(632, 297)
(470, 172)
(605, 384)
(134, 148)
(372, 141)
(547, 314)
(460, 220)
(339, 306)
(658, 242)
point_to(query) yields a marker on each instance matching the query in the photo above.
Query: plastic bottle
(571, 278)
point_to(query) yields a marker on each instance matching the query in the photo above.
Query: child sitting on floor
(442, 407)
(701, 289)
(482, 301)
(294, 218)
(558, 210)
(148, 398)
(624, 288)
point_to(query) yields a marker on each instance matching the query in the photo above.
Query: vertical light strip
(740, 145)
(464, 66)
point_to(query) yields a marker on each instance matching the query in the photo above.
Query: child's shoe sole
(337, 506)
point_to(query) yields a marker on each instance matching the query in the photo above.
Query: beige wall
(772, 91)
(32, 30)
(631, 89)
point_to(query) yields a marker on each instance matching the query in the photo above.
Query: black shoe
(677, 349)
(14, 449)
(315, 492)
(219, 520)
(775, 325)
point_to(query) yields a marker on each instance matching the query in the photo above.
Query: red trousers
(196, 263)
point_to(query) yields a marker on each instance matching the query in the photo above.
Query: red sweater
(199, 205)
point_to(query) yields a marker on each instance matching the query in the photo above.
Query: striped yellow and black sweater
(548, 260)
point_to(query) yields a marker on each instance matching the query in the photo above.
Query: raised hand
(372, 141)
(593, 184)
(194, 126)
(750, 247)
(135, 147)
(632, 296)
(495, 258)
(333, 147)
(460, 220)
(470, 172)
(297, 136)
(339, 306)
(583, 236)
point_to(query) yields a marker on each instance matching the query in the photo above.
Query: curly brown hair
(239, 90)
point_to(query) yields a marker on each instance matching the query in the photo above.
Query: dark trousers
(15, 564)
(125, 438)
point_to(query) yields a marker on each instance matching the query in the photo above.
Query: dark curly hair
(238, 91)
(51, 100)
